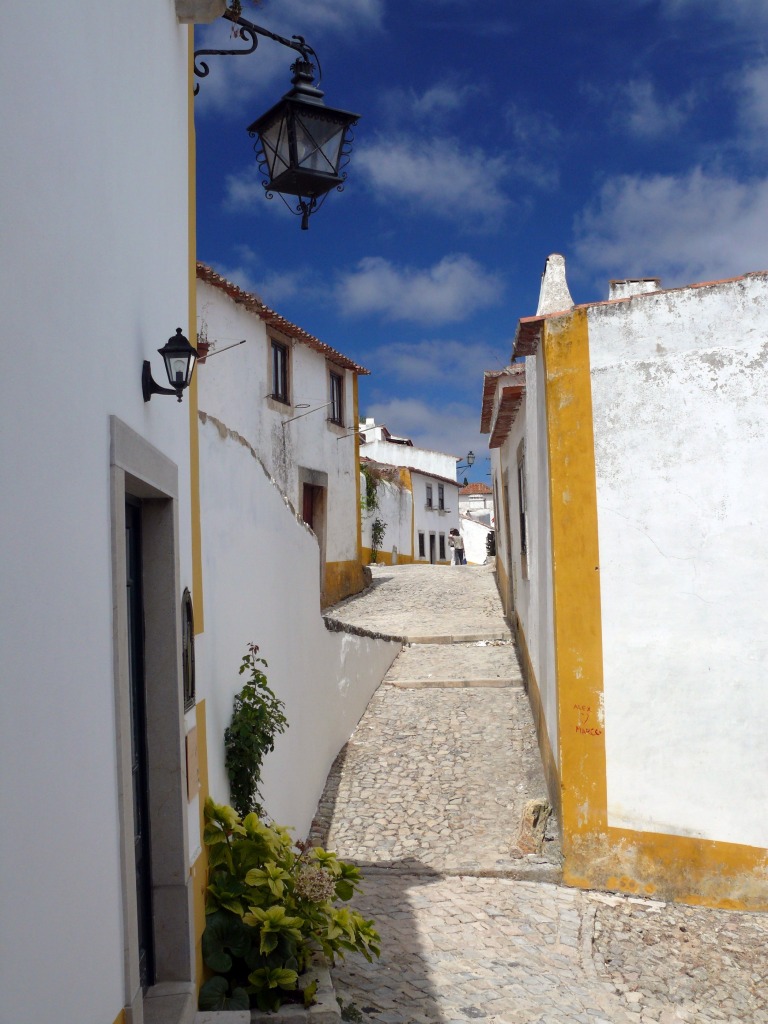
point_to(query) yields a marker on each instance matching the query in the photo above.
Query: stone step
(482, 663)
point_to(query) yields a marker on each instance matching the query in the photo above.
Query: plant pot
(199, 12)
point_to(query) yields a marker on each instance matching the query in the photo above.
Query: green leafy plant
(378, 529)
(370, 500)
(257, 717)
(270, 906)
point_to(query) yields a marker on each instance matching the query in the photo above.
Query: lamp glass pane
(318, 144)
(274, 140)
(177, 368)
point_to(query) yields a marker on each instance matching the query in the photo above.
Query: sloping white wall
(262, 585)
(396, 509)
(234, 386)
(680, 395)
(95, 280)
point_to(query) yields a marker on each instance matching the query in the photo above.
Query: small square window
(337, 399)
(279, 371)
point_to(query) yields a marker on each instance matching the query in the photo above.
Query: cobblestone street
(427, 798)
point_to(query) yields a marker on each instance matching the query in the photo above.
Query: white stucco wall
(680, 397)
(438, 463)
(95, 280)
(396, 509)
(474, 536)
(262, 585)
(532, 593)
(233, 388)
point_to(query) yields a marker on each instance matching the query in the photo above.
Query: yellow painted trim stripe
(120, 1018)
(358, 496)
(192, 400)
(668, 867)
(575, 575)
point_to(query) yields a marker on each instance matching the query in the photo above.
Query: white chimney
(633, 286)
(554, 295)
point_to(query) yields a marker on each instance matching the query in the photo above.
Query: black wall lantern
(303, 145)
(179, 358)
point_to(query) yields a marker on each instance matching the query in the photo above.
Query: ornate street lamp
(302, 145)
(179, 358)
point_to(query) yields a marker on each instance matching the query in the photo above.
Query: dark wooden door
(139, 768)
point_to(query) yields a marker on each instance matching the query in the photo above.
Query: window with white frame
(279, 371)
(429, 496)
(422, 545)
(442, 547)
(337, 398)
(441, 497)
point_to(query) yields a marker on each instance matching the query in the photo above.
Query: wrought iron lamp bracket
(250, 33)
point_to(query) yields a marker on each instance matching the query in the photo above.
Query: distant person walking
(457, 543)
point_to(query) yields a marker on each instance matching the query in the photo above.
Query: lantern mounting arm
(249, 33)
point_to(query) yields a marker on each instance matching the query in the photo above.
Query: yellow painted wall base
(120, 1018)
(502, 582)
(385, 558)
(342, 579)
(675, 868)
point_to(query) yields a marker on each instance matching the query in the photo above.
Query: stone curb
(535, 872)
(337, 626)
(421, 684)
(458, 638)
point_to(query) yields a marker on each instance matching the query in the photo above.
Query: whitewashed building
(476, 501)
(628, 464)
(100, 836)
(293, 399)
(431, 478)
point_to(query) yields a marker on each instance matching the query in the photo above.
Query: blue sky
(630, 137)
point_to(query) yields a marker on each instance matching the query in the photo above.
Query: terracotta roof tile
(478, 488)
(254, 304)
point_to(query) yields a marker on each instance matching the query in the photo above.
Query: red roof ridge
(254, 304)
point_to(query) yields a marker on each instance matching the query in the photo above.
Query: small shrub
(257, 717)
(270, 906)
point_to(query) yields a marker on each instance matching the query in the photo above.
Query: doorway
(139, 761)
(432, 548)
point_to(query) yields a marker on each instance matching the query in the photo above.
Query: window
(429, 496)
(279, 371)
(188, 649)
(422, 546)
(337, 399)
(441, 497)
(523, 511)
(442, 547)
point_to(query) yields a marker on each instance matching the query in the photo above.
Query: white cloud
(687, 228)
(440, 426)
(442, 99)
(439, 361)
(746, 12)
(642, 113)
(438, 173)
(448, 291)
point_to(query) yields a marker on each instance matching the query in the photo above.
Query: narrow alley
(428, 798)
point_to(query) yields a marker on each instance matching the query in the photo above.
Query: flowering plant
(270, 906)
